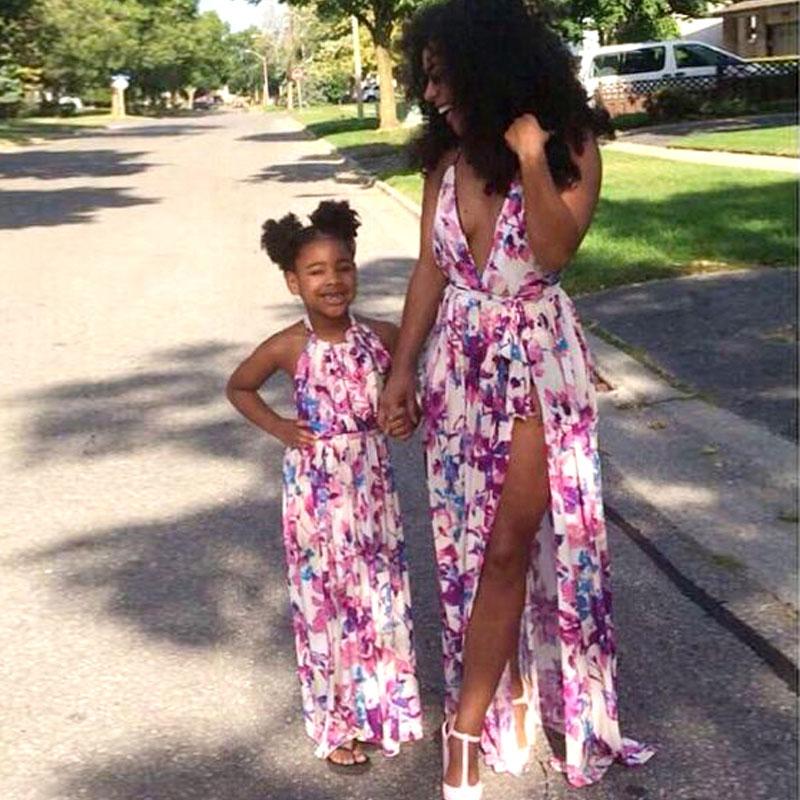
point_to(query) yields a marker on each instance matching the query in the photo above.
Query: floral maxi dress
(347, 572)
(507, 343)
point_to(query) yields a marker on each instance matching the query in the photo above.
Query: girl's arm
(399, 424)
(423, 296)
(250, 375)
(556, 220)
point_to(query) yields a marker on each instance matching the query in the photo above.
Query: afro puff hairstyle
(501, 61)
(284, 238)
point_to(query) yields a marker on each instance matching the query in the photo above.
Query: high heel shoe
(464, 791)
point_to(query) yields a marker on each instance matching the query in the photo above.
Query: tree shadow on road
(30, 208)
(150, 131)
(54, 165)
(316, 168)
(277, 136)
(212, 578)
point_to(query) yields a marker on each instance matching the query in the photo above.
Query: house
(760, 28)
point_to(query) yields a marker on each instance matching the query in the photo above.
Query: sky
(239, 14)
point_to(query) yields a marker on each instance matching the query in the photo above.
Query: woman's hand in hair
(526, 138)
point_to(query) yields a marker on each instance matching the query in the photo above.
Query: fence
(751, 82)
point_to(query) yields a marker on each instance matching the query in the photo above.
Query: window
(695, 55)
(629, 62)
(607, 64)
(648, 59)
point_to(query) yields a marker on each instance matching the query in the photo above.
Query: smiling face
(324, 277)
(438, 91)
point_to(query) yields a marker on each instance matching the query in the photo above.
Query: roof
(752, 5)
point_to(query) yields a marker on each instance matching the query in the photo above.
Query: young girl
(347, 573)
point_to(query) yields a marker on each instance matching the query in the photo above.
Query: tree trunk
(387, 110)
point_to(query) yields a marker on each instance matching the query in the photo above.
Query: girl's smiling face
(438, 91)
(324, 277)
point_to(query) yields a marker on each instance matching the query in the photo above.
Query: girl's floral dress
(507, 344)
(347, 572)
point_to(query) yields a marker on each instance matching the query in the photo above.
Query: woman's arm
(250, 375)
(423, 296)
(558, 218)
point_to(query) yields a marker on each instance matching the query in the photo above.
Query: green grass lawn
(656, 218)
(781, 140)
(662, 219)
(380, 152)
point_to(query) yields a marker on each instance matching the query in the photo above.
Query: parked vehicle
(370, 93)
(68, 104)
(625, 63)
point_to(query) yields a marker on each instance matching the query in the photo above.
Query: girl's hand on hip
(295, 433)
(526, 137)
(398, 399)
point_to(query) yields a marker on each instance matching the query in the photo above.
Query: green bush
(99, 97)
(672, 103)
(11, 91)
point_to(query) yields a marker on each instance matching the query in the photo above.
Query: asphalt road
(146, 650)
(731, 336)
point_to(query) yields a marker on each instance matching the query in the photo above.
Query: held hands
(526, 138)
(295, 433)
(398, 414)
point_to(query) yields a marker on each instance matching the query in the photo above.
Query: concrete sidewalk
(716, 158)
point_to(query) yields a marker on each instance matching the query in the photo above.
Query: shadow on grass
(25, 209)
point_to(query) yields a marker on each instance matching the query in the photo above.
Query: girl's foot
(348, 756)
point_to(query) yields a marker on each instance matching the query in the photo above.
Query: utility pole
(290, 70)
(357, 66)
(265, 81)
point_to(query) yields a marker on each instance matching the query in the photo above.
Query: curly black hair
(284, 238)
(500, 60)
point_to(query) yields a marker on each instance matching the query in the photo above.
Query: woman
(512, 177)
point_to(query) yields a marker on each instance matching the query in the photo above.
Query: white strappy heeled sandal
(464, 791)
(520, 759)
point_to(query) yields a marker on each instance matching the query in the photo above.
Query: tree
(380, 18)
(84, 42)
(618, 20)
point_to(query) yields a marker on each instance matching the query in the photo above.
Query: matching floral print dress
(507, 344)
(347, 572)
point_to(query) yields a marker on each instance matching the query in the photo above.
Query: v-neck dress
(507, 344)
(345, 554)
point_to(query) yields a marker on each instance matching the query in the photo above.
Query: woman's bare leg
(493, 630)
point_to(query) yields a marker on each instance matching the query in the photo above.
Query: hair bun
(336, 219)
(278, 238)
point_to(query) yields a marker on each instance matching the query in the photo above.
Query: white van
(625, 63)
